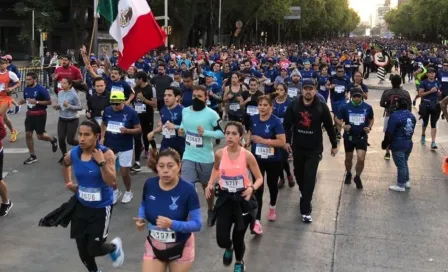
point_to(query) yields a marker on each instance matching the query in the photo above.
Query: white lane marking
(15, 150)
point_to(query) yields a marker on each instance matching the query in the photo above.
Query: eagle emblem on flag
(125, 16)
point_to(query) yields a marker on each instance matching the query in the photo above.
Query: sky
(366, 7)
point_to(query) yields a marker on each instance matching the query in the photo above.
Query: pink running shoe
(257, 228)
(272, 215)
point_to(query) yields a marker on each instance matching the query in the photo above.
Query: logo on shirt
(124, 117)
(35, 93)
(306, 119)
(267, 128)
(174, 206)
(151, 197)
(175, 116)
(409, 128)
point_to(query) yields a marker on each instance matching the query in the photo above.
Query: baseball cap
(308, 83)
(117, 95)
(356, 91)
(7, 57)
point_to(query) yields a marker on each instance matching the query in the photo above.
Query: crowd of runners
(270, 104)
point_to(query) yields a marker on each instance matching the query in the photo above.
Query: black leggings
(147, 127)
(88, 249)
(224, 221)
(434, 114)
(306, 163)
(285, 165)
(67, 132)
(272, 170)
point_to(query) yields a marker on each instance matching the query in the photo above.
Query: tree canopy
(419, 20)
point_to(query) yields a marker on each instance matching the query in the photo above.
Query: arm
(216, 132)
(141, 209)
(108, 172)
(384, 99)
(103, 129)
(136, 130)
(46, 96)
(409, 100)
(193, 224)
(255, 170)
(215, 171)
(328, 124)
(77, 105)
(67, 169)
(280, 141)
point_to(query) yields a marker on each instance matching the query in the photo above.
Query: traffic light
(167, 30)
(44, 36)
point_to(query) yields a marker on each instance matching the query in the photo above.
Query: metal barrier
(41, 74)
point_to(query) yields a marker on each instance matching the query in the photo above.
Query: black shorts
(90, 221)
(350, 146)
(36, 123)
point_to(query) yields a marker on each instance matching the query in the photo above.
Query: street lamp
(41, 47)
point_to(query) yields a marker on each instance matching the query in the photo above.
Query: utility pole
(166, 22)
(219, 22)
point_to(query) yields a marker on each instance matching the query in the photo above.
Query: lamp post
(41, 48)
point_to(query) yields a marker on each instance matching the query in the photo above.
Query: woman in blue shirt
(322, 79)
(267, 138)
(357, 83)
(171, 207)
(281, 103)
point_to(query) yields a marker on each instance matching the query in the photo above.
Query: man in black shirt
(303, 123)
(161, 81)
(405, 62)
(144, 104)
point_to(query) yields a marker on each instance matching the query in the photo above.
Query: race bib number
(164, 236)
(168, 133)
(99, 120)
(333, 73)
(117, 88)
(323, 88)
(348, 66)
(292, 92)
(252, 110)
(339, 89)
(114, 127)
(444, 79)
(232, 184)
(29, 105)
(267, 81)
(356, 119)
(246, 80)
(264, 151)
(194, 139)
(140, 107)
(2, 87)
(89, 194)
(234, 106)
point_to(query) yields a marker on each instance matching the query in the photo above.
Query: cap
(356, 91)
(117, 95)
(306, 62)
(8, 57)
(431, 70)
(308, 83)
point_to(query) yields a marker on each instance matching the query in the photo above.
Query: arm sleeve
(193, 224)
(384, 99)
(328, 123)
(287, 122)
(14, 78)
(141, 209)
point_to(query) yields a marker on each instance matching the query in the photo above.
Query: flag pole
(95, 23)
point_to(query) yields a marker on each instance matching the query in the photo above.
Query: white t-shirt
(12, 76)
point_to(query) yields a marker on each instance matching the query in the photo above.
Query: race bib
(164, 236)
(444, 79)
(89, 194)
(323, 88)
(234, 106)
(194, 139)
(339, 89)
(140, 107)
(252, 110)
(292, 92)
(29, 105)
(356, 119)
(117, 88)
(232, 184)
(59, 85)
(264, 151)
(114, 127)
(2, 87)
(267, 81)
(99, 120)
(168, 133)
(348, 66)
(246, 80)
(333, 73)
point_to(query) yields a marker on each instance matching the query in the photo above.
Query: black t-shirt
(254, 97)
(144, 111)
(161, 83)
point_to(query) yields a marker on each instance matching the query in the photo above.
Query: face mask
(198, 104)
(161, 73)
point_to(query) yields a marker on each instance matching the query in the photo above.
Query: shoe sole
(136, 170)
(30, 162)
(127, 202)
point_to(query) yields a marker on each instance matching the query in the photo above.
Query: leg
(145, 131)
(185, 263)
(443, 106)
(86, 258)
(311, 165)
(407, 154)
(180, 267)
(360, 159)
(399, 158)
(238, 239)
(435, 115)
(72, 128)
(30, 142)
(224, 222)
(259, 192)
(62, 134)
(204, 171)
(299, 168)
(348, 161)
(272, 174)
(153, 266)
(137, 147)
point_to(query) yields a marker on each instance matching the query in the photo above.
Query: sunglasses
(115, 104)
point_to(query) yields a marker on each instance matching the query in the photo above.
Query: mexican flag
(133, 27)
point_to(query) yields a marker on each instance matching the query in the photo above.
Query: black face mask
(198, 104)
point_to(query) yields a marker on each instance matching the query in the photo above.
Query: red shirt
(71, 72)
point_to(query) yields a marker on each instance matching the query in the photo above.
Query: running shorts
(6, 100)
(196, 172)
(187, 254)
(36, 123)
(90, 221)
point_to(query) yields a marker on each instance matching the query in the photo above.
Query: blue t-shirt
(401, 126)
(321, 81)
(187, 96)
(38, 93)
(212, 102)
(427, 85)
(308, 75)
(442, 76)
(169, 140)
(268, 129)
(176, 204)
(358, 117)
(93, 192)
(113, 120)
(121, 86)
(280, 109)
(342, 87)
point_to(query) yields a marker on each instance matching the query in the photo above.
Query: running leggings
(147, 127)
(224, 221)
(285, 165)
(272, 170)
(306, 163)
(432, 116)
(67, 132)
(88, 249)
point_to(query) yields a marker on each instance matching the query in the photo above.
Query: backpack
(392, 103)
(368, 59)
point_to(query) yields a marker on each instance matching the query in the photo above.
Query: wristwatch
(101, 164)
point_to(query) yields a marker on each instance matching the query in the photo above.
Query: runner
(322, 79)
(6, 202)
(233, 95)
(171, 207)
(94, 168)
(236, 204)
(37, 99)
(66, 70)
(5, 95)
(98, 101)
(357, 83)
(266, 137)
(200, 124)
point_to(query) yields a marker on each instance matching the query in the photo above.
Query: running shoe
(9, 112)
(307, 218)
(136, 167)
(127, 197)
(387, 156)
(407, 185)
(281, 184)
(434, 146)
(272, 215)
(16, 109)
(117, 255)
(146, 154)
(54, 145)
(338, 136)
(117, 195)
(357, 181)
(210, 215)
(397, 188)
(348, 178)
(13, 137)
(239, 267)
(257, 228)
(227, 258)
(423, 139)
(291, 182)
(30, 160)
(4, 208)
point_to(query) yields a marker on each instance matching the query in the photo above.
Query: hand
(65, 104)
(332, 86)
(164, 222)
(88, 115)
(257, 139)
(127, 103)
(209, 190)
(150, 136)
(367, 130)
(170, 125)
(8, 90)
(230, 96)
(210, 93)
(347, 127)
(200, 131)
(139, 223)
(72, 187)
(334, 151)
(123, 130)
(180, 132)
(98, 155)
(288, 148)
(140, 96)
(22, 101)
(56, 107)
(240, 99)
(247, 193)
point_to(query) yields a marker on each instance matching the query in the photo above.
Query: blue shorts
(336, 105)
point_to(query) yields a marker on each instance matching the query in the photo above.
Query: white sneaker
(127, 197)
(117, 195)
(397, 188)
(118, 255)
(407, 185)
